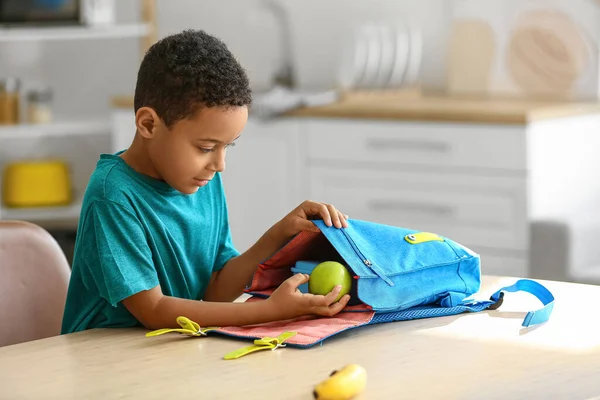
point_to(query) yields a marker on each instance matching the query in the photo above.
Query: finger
(331, 296)
(315, 301)
(339, 306)
(317, 209)
(335, 216)
(320, 301)
(296, 280)
(323, 211)
(333, 309)
(312, 209)
(343, 219)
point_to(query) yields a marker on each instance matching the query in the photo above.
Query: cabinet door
(261, 178)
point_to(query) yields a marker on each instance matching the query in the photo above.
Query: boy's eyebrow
(217, 141)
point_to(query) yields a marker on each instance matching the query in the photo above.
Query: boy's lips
(201, 181)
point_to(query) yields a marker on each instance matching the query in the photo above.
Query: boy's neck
(136, 156)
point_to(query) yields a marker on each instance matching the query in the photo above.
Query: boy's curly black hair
(184, 72)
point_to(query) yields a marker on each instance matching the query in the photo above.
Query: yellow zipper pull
(188, 327)
(422, 237)
(266, 343)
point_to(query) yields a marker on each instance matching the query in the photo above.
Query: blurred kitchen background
(475, 119)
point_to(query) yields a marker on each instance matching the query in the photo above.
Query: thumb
(307, 225)
(296, 280)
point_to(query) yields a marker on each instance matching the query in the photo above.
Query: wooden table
(484, 355)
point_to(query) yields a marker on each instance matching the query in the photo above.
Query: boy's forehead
(216, 124)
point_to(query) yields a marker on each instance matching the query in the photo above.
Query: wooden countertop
(445, 109)
(469, 356)
(122, 102)
(416, 107)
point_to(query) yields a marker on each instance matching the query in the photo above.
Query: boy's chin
(188, 189)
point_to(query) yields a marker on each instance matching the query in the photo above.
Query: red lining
(309, 329)
(307, 246)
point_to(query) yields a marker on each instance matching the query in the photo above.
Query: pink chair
(34, 276)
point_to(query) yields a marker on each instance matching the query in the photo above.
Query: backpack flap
(399, 268)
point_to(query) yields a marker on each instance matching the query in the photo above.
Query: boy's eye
(211, 149)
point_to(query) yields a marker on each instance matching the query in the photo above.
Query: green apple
(328, 275)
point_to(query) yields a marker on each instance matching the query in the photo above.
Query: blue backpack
(399, 274)
(406, 274)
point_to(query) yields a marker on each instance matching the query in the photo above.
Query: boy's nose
(218, 164)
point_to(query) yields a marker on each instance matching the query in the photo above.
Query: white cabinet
(467, 182)
(482, 184)
(261, 179)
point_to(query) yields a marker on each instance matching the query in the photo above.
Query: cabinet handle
(380, 144)
(396, 205)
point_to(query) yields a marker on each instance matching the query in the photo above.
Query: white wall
(85, 74)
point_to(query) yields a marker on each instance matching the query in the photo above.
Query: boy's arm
(228, 283)
(155, 310)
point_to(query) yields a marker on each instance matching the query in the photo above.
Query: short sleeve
(117, 260)
(227, 250)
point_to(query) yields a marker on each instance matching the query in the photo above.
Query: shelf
(59, 128)
(40, 214)
(73, 32)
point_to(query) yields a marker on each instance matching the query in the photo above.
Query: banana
(343, 384)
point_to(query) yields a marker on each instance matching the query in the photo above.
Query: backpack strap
(538, 290)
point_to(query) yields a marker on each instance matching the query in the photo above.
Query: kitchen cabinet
(262, 180)
(480, 172)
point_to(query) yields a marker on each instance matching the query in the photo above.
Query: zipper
(365, 260)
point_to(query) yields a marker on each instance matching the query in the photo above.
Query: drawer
(441, 145)
(489, 212)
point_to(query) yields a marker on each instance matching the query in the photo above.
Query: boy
(153, 239)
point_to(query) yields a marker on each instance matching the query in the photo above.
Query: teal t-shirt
(135, 233)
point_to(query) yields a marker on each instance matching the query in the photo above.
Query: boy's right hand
(288, 302)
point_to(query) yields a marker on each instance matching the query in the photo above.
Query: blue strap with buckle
(526, 285)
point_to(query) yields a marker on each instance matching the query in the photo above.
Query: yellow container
(37, 184)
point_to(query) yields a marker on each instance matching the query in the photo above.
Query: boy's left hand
(299, 218)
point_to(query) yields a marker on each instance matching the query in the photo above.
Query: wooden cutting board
(472, 49)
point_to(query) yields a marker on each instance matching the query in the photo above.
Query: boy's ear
(146, 121)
